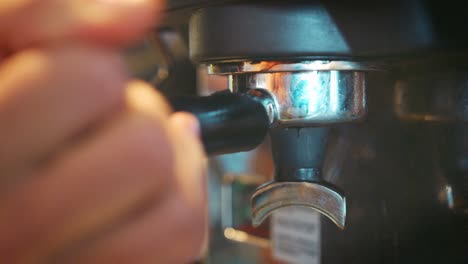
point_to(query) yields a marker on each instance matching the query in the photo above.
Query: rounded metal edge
(312, 98)
(266, 98)
(284, 66)
(275, 195)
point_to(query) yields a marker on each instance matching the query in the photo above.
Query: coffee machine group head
(367, 99)
(293, 62)
(294, 71)
(302, 99)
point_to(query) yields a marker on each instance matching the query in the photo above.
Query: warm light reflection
(334, 91)
(243, 237)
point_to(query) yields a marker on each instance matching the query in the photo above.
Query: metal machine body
(366, 108)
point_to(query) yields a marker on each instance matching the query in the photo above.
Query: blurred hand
(93, 169)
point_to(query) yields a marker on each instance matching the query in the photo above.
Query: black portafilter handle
(230, 122)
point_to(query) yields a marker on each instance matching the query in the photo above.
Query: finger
(110, 22)
(190, 158)
(190, 162)
(143, 97)
(169, 233)
(173, 231)
(46, 97)
(104, 179)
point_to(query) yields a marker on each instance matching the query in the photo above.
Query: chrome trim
(282, 66)
(304, 99)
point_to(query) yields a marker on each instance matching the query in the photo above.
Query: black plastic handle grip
(230, 122)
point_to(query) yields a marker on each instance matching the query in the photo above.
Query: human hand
(93, 169)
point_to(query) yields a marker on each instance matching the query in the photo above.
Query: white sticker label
(296, 235)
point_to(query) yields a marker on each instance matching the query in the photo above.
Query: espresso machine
(350, 119)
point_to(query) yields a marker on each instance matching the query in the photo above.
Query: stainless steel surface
(307, 93)
(284, 66)
(275, 195)
(432, 97)
(268, 101)
(314, 98)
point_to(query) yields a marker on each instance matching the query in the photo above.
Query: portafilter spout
(298, 154)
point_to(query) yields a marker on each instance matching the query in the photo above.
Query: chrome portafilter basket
(304, 99)
(295, 102)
